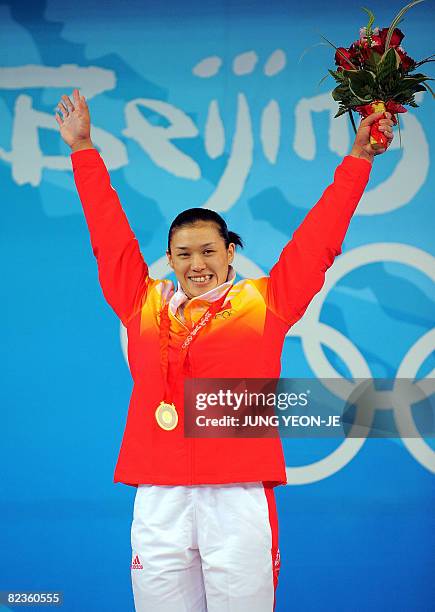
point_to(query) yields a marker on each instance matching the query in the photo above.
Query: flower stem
(352, 120)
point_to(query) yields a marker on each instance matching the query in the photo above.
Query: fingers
(63, 109)
(386, 126)
(65, 106)
(385, 123)
(67, 103)
(372, 118)
(60, 108)
(78, 99)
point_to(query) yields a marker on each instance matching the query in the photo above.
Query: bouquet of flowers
(375, 74)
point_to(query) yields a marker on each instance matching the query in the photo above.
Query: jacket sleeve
(122, 271)
(300, 271)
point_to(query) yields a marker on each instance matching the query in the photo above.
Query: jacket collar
(180, 298)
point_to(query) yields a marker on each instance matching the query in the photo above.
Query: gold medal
(166, 413)
(166, 416)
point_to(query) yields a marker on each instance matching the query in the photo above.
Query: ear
(170, 262)
(231, 251)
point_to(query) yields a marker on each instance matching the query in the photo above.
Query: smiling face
(199, 257)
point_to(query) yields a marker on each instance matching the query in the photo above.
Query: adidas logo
(136, 564)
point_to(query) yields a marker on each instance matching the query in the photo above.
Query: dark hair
(193, 215)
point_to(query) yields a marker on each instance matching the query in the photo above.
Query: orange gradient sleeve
(122, 271)
(300, 271)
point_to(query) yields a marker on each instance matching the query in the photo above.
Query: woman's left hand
(361, 146)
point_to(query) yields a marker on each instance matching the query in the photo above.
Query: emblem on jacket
(224, 314)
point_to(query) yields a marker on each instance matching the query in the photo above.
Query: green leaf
(408, 84)
(340, 112)
(425, 61)
(373, 62)
(338, 76)
(430, 90)
(360, 78)
(375, 58)
(405, 95)
(305, 51)
(418, 75)
(342, 89)
(369, 30)
(396, 21)
(338, 93)
(359, 95)
(322, 79)
(371, 18)
(387, 65)
(388, 60)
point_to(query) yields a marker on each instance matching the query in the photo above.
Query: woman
(204, 532)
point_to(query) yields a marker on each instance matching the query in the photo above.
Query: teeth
(200, 279)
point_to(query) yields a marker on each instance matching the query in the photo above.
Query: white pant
(204, 548)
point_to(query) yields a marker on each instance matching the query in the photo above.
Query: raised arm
(122, 270)
(300, 271)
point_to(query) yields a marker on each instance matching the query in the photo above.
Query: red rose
(357, 54)
(396, 38)
(363, 51)
(342, 56)
(377, 44)
(406, 62)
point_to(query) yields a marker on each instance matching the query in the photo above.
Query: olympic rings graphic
(314, 335)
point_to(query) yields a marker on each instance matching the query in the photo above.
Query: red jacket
(246, 344)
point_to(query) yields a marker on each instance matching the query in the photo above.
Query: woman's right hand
(75, 123)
